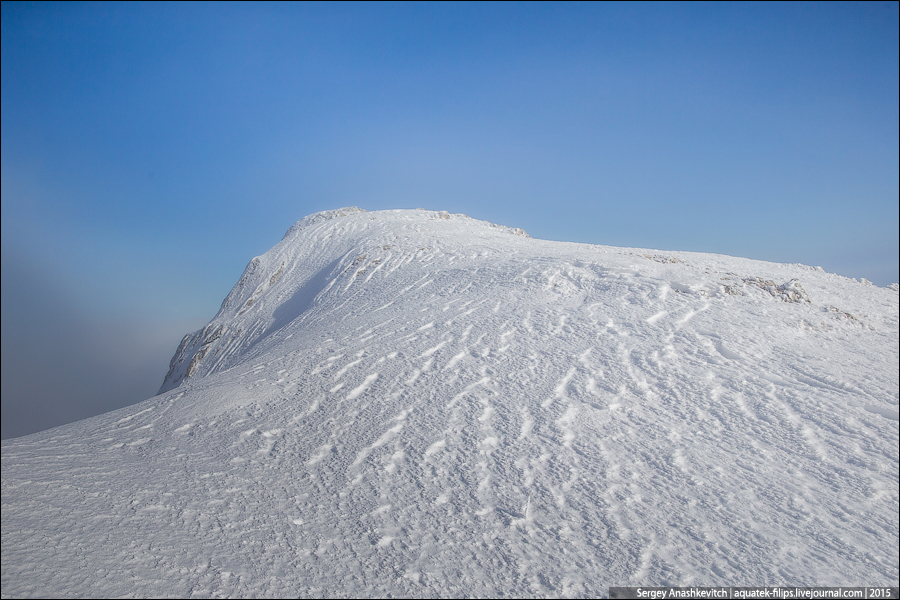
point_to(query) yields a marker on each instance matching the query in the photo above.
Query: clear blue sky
(149, 151)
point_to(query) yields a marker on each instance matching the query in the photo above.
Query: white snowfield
(412, 403)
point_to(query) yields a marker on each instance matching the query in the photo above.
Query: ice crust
(415, 403)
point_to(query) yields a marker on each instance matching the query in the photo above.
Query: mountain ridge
(416, 403)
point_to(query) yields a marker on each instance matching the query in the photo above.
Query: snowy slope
(422, 404)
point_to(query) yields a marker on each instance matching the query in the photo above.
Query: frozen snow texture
(415, 403)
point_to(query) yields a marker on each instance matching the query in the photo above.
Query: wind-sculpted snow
(412, 403)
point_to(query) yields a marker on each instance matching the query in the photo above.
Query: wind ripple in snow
(524, 418)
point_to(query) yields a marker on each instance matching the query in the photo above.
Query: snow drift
(422, 404)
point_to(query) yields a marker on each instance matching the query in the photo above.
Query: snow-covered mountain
(412, 403)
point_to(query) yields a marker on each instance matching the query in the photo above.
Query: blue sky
(149, 151)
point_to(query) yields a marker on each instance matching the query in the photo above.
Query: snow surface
(412, 403)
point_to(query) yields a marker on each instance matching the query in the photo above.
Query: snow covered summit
(422, 404)
(316, 264)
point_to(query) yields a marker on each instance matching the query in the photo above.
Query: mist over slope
(423, 404)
